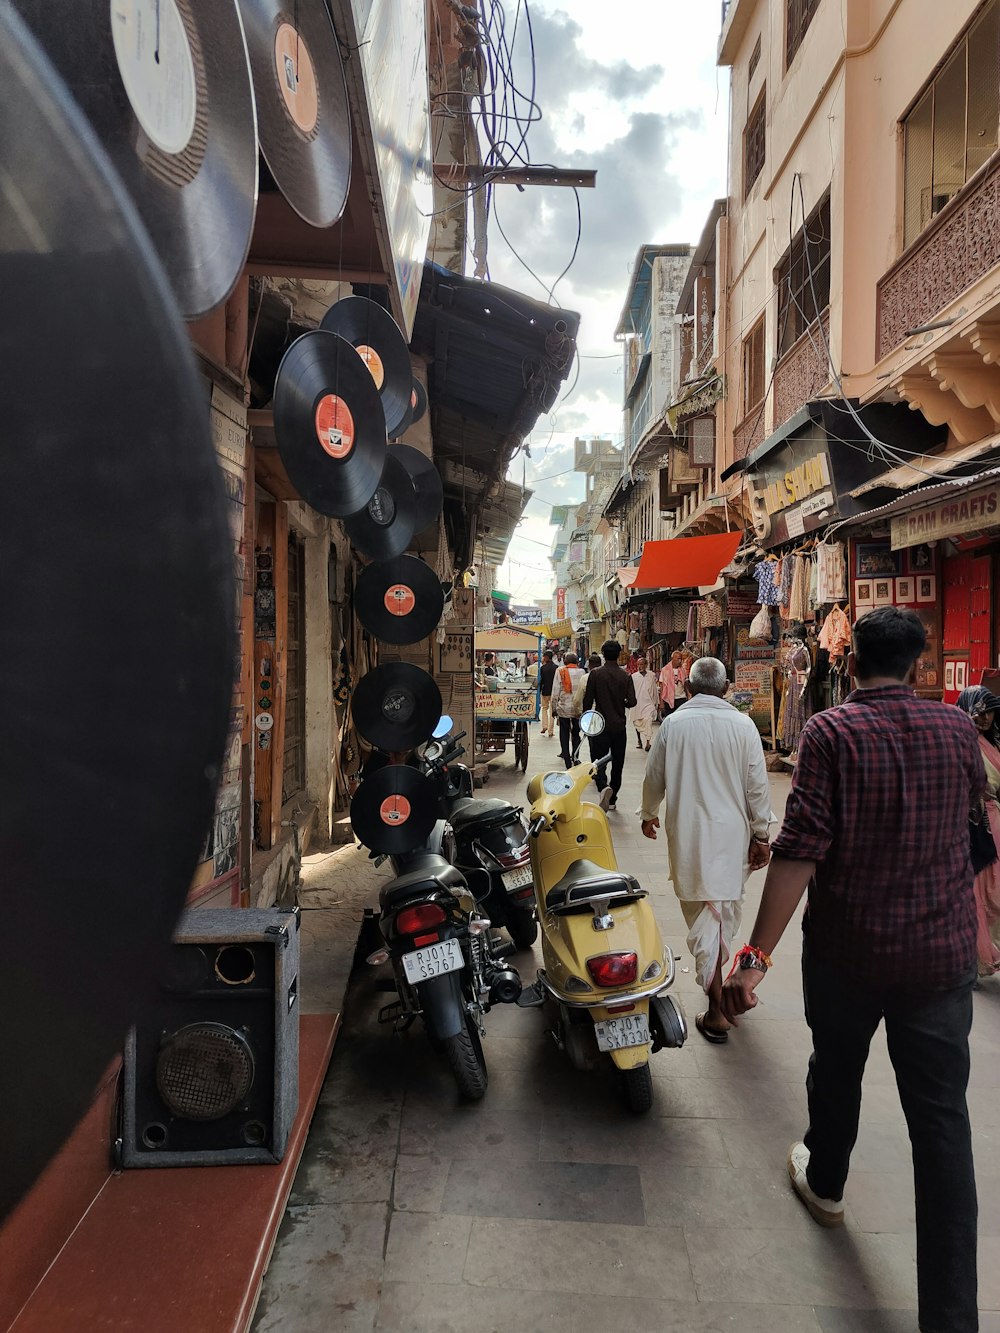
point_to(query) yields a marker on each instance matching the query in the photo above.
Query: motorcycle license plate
(628, 1030)
(517, 879)
(433, 960)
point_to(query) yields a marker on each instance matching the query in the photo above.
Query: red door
(957, 626)
(980, 627)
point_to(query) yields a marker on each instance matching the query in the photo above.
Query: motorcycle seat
(586, 879)
(472, 810)
(424, 875)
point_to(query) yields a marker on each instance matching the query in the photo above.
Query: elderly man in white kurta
(647, 703)
(708, 762)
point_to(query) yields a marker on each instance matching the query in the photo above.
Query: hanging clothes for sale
(796, 664)
(831, 573)
(786, 575)
(767, 590)
(835, 636)
(798, 591)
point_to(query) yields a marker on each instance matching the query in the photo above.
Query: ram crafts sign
(959, 514)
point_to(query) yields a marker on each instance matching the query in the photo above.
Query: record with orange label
(396, 706)
(418, 399)
(399, 601)
(378, 339)
(408, 498)
(166, 86)
(328, 423)
(394, 810)
(303, 118)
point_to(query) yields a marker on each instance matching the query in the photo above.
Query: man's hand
(738, 993)
(649, 827)
(759, 855)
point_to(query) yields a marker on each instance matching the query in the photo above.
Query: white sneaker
(605, 798)
(827, 1212)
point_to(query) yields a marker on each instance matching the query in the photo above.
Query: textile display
(835, 636)
(767, 590)
(831, 573)
(795, 666)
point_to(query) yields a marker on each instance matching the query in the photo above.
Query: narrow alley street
(547, 1206)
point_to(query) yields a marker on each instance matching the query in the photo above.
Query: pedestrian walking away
(546, 675)
(567, 705)
(647, 703)
(984, 707)
(877, 830)
(671, 681)
(707, 764)
(610, 690)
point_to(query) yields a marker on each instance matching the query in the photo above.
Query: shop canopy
(683, 562)
(507, 639)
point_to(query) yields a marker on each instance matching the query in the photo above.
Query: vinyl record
(396, 706)
(328, 423)
(118, 609)
(399, 601)
(303, 118)
(418, 400)
(166, 86)
(404, 423)
(394, 810)
(426, 483)
(377, 336)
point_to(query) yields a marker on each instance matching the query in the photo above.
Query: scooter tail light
(421, 940)
(652, 971)
(511, 860)
(619, 1008)
(413, 920)
(613, 969)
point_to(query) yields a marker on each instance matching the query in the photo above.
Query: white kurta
(647, 699)
(707, 762)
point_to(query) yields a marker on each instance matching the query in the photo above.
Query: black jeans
(928, 1038)
(614, 743)
(569, 738)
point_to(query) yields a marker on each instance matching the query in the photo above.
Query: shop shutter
(980, 629)
(957, 627)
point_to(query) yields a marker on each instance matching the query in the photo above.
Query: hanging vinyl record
(399, 601)
(377, 336)
(134, 550)
(303, 118)
(396, 706)
(418, 400)
(166, 86)
(328, 423)
(394, 810)
(398, 510)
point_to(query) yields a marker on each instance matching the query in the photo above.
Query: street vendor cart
(509, 699)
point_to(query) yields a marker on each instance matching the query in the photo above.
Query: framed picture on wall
(863, 594)
(883, 592)
(961, 675)
(878, 558)
(904, 591)
(926, 588)
(949, 675)
(920, 559)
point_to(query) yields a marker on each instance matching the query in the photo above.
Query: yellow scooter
(606, 970)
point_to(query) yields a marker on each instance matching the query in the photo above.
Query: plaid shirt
(880, 801)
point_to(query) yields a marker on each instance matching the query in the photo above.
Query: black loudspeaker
(211, 1077)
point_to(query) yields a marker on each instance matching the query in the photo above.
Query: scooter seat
(585, 879)
(471, 810)
(424, 876)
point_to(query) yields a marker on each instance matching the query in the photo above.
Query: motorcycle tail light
(421, 940)
(613, 969)
(525, 893)
(520, 856)
(412, 920)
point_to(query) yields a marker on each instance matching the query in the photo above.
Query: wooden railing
(802, 371)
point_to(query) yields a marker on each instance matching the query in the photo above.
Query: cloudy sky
(632, 90)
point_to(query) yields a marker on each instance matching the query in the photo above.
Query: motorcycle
(605, 969)
(446, 967)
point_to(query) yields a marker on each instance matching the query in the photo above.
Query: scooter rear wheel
(522, 928)
(464, 1054)
(637, 1086)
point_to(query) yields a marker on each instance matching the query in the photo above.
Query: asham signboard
(966, 511)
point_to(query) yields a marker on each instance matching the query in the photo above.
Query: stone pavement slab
(549, 1207)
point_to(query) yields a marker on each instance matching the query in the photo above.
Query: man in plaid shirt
(876, 828)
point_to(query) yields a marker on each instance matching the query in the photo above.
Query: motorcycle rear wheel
(464, 1054)
(637, 1087)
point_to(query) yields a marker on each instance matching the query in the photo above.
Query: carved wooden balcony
(802, 371)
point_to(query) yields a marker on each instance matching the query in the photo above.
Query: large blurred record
(396, 706)
(399, 601)
(303, 117)
(399, 509)
(166, 86)
(118, 610)
(378, 338)
(328, 423)
(394, 810)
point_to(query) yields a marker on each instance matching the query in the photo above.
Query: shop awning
(683, 562)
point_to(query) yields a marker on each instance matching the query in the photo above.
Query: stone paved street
(549, 1207)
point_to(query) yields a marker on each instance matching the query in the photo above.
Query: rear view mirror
(592, 723)
(443, 727)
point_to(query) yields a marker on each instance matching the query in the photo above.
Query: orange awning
(684, 562)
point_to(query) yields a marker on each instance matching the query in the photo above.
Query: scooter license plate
(517, 879)
(433, 960)
(628, 1030)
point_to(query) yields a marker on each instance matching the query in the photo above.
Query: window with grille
(700, 434)
(952, 130)
(754, 60)
(753, 368)
(797, 19)
(803, 278)
(754, 143)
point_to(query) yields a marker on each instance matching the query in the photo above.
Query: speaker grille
(204, 1071)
